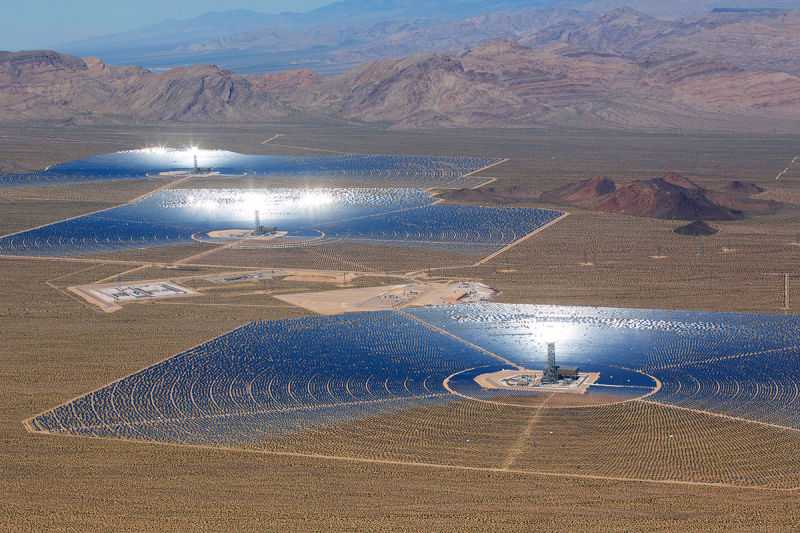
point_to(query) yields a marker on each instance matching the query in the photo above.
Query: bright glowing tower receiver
(259, 227)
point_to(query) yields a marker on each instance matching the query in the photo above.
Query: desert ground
(56, 346)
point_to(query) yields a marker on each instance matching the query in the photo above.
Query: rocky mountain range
(329, 39)
(51, 86)
(345, 33)
(624, 69)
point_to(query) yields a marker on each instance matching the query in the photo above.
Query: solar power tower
(551, 371)
(260, 230)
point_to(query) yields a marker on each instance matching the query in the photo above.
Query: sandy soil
(495, 381)
(230, 233)
(54, 348)
(377, 298)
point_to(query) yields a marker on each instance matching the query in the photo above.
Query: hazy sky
(29, 24)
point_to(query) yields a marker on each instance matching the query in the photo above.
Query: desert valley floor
(161, 372)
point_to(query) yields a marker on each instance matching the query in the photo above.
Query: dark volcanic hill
(669, 197)
(660, 198)
(698, 228)
(583, 192)
(743, 188)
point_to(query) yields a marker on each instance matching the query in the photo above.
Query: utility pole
(786, 302)
(787, 289)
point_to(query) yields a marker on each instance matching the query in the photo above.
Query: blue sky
(29, 24)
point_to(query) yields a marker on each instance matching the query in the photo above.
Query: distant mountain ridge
(623, 69)
(341, 35)
(338, 25)
(41, 85)
(582, 82)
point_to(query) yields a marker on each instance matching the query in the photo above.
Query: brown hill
(286, 82)
(48, 85)
(669, 197)
(658, 198)
(680, 181)
(744, 203)
(743, 188)
(581, 193)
